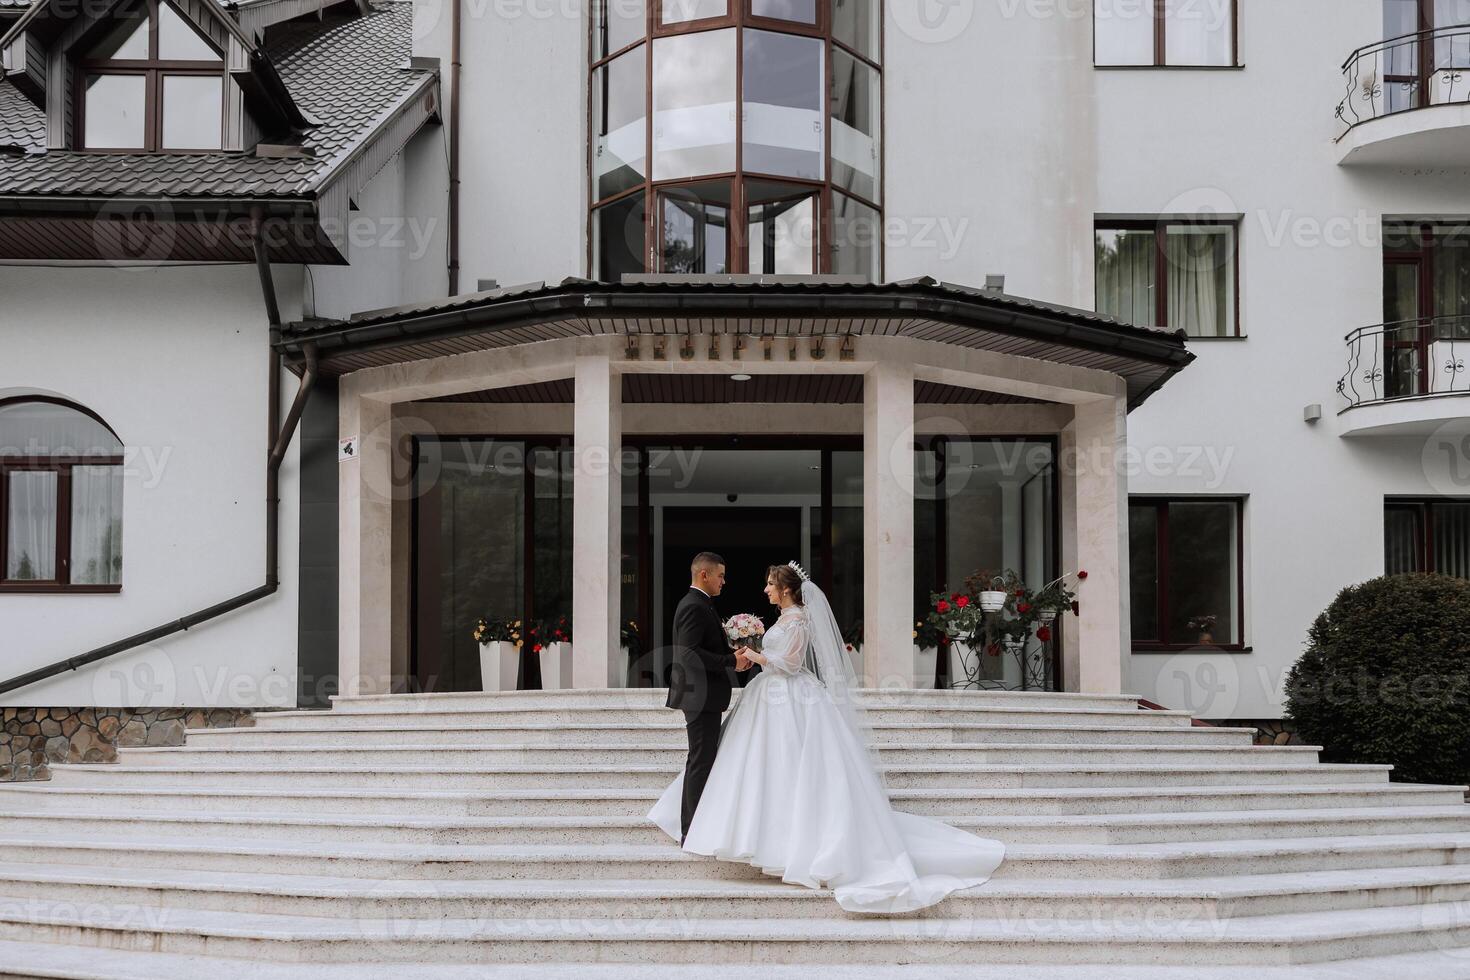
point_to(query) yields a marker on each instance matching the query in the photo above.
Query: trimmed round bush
(1386, 678)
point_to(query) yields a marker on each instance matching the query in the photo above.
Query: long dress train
(793, 792)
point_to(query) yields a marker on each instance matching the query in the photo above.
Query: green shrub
(1385, 677)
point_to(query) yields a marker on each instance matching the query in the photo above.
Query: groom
(701, 676)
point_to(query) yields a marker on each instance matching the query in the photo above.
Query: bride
(795, 789)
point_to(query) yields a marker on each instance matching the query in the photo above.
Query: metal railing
(1412, 71)
(1407, 359)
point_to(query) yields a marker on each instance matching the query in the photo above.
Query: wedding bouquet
(745, 630)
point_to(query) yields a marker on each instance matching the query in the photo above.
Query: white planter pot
(961, 662)
(924, 661)
(992, 601)
(617, 670)
(556, 667)
(499, 661)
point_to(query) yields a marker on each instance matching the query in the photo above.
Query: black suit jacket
(703, 669)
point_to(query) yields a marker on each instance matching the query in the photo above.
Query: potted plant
(1205, 627)
(852, 639)
(1055, 598)
(929, 639)
(624, 673)
(960, 619)
(553, 642)
(993, 597)
(500, 653)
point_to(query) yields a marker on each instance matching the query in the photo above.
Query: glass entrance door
(492, 536)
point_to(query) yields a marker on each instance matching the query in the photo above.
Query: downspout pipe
(454, 89)
(278, 442)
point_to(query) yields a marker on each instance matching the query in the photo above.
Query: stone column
(1100, 432)
(596, 519)
(365, 535)
(888, 525)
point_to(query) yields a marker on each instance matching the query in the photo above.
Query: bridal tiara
(800, 571)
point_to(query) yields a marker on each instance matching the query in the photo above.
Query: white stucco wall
(523, 123)
(998, 122)
(396, 237)
(175, 360)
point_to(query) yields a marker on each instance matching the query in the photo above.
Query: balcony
(1408, 101)
(1406, 378)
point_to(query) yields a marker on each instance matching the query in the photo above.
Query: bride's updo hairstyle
(785, 578)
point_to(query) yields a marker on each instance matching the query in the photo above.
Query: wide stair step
(1272, 939)
(467, 770)
(402, 835)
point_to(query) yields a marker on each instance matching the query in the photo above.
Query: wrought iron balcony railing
(1412, 71)
(1407, 359)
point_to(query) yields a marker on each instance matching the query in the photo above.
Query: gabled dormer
(147, 76)
(147, 80)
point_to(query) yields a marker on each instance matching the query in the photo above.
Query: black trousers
(704, 741)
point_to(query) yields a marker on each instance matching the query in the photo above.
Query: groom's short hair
(705, 559)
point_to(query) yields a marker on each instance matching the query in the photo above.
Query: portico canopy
(574, 355)
(754, 306)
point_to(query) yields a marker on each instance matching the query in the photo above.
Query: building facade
(1283, 185)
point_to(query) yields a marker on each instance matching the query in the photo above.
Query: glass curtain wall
(739, 136)
(493, 536)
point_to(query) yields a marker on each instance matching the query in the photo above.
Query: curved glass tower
(736, 136)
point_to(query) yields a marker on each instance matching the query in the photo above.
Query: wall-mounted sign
(347, 449)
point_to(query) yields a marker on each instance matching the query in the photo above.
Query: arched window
(147, 80)
(60, 498)
(736, 136)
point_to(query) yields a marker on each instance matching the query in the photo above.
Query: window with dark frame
(1170, 273)
(739, 136)
(1185, 572)
(61, 490)
(148, 81)
(1165, 33)
(1426, 535)
(1426, 306)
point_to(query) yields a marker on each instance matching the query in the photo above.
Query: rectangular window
(192, 112)
(1164, 33)
(115, 109)
(1176, 274)
(1426, 536)
(1185, 570)
(61, 526)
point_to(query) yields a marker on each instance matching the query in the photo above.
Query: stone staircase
(434, 830)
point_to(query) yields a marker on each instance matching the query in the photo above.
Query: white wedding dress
(794, 791)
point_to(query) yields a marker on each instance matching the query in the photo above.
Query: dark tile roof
(737, 285)
(21, 123)
(347, 73)
(922, 309)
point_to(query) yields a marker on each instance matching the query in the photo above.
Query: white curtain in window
(1123, 32)
(1125, 275)
(47, 429)
(1200, 270)
(31, 551)
(1199, 32)
(96, 525)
